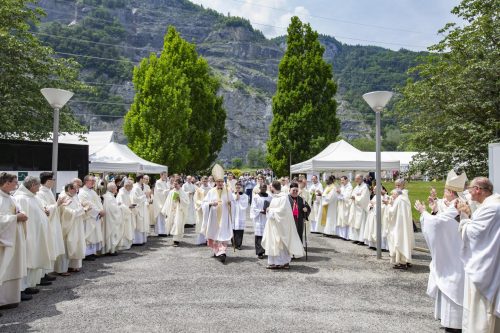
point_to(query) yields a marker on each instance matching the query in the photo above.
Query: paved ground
(159, 288)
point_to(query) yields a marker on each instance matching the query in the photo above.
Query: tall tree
(26, 66)
(177, 118)
(304, 107)
(452, 111)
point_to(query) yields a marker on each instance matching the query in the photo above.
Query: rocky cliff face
(245, 61)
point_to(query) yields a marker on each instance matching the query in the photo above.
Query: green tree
(452, 111)
(256, 158)
(26, 66)
(237, 162)
(364, 144)
(176, 117)
(304, 107)
(391, 139)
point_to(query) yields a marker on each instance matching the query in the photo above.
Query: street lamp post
(377, 101)
(57, 98)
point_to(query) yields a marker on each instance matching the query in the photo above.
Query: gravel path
(158, 288)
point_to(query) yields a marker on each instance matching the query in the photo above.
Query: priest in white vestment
(360, 199)
(50, 205)
(280, 240)
(113, 220)
(217, 215)
(260, 202)
(138, 197)
(370, 235)
(92, 203)
(316, 189)
(304, 191)
(400, 237)
(175, 211)
(239, 214)
(149, 196)
(285, 185)
(343, 205)
(328, 213)
(211, 182)
(446, 277)
(231, 182)
(189, 188)
(37, 229)
(129, 213)
(161, 189)
(260, 182)
(73, 230)
(480, 254)
(13, 266)
(199, 197)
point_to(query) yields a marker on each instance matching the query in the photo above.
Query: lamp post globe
(57, 98)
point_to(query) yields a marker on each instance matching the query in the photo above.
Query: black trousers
(259, 250)
(249, 193)
(238, 237)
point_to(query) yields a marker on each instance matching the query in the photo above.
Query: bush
(235, 172)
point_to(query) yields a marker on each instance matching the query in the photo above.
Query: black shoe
(114, 254)
(176, 244)
(453, 330)
(49, 278)
(44, 283)
(31, 291)
(222, 258)
(355, 242)
(89, 258)
(162, 235)
(25, 297)
(260, 256)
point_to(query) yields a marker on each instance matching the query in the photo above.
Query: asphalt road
(158, 288)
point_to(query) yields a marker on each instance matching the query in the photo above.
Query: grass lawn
(419, 190)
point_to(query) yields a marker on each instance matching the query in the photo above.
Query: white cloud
(271, 17)
(353, 22)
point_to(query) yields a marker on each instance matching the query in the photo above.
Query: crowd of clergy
(42, 238)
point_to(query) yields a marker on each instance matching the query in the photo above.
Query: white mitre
(217, 172)
(454, 182)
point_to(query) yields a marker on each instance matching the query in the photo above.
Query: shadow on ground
(63, 289)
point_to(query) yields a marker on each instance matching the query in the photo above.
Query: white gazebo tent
(115, 157)
(94, 139)
(342, 156)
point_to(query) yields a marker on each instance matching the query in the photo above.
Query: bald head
(483, 183)
(480, 188)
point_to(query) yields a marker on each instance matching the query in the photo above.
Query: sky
(393, 24)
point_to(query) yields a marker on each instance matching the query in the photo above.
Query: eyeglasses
(476, 187)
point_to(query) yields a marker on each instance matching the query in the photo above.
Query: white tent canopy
(115, 157)
(341, 156)
(94, 139)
